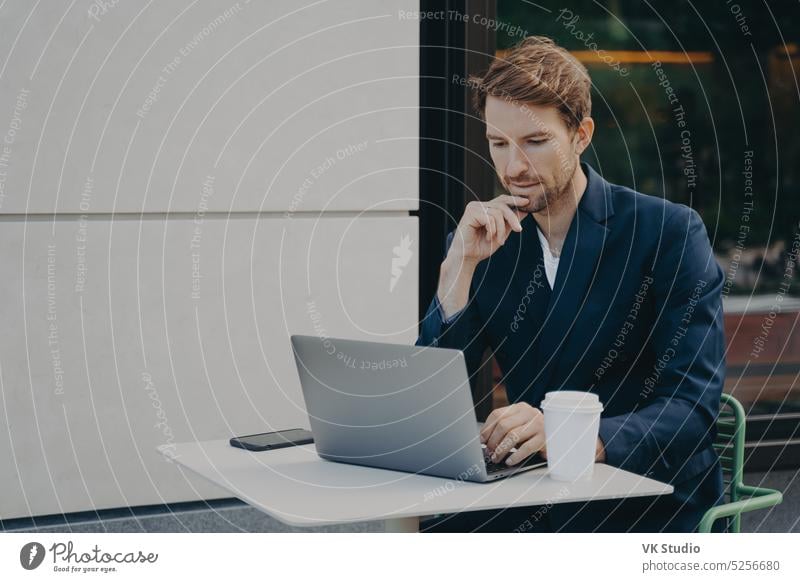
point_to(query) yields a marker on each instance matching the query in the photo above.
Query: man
(576, 283)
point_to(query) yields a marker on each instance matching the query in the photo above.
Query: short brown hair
(538, 71)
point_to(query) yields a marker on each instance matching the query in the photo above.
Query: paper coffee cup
(571, 427)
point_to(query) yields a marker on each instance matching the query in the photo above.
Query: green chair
(729, 444)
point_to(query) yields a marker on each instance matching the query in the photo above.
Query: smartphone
(266, 441)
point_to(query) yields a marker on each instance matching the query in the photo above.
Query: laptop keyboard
(492, 467)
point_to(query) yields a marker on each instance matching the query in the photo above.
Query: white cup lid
(572, 400)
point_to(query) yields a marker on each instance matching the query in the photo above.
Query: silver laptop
(393, 406)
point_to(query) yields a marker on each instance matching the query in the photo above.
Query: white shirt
(550, 262)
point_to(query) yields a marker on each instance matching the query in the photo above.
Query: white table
(298, 488)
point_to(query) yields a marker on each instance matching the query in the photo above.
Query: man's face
(533, 151)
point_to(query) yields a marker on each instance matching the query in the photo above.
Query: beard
(553, 192)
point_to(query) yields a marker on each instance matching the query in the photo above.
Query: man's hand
(600, 452)
(483, 229)
(485, 226)
(520, 425)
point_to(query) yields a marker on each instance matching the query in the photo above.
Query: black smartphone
(266, 441)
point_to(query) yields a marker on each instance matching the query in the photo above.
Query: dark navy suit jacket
(635, 316)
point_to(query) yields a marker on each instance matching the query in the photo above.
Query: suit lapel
(583, 247)
(529, 286)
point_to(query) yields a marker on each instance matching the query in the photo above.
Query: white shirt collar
(548, 255)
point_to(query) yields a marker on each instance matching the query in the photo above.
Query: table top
(297, 487)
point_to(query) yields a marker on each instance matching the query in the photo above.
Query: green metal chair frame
(729, 444)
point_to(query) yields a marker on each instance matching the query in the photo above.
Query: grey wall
(183, 185)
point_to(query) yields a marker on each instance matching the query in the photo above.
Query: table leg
(402, 525)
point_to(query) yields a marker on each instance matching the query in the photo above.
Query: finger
(503, 427)
(491, 420)
(513, 201)
(477, 213)
(530, 446)
(494, 416)
(479, 218)
(500, 223)
(490, 226)
(510, 217)
(493, 222)
(515, 438)
(502, 228)
(515, 205)
(508, 418)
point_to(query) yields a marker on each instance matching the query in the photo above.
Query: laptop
(393, 406)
